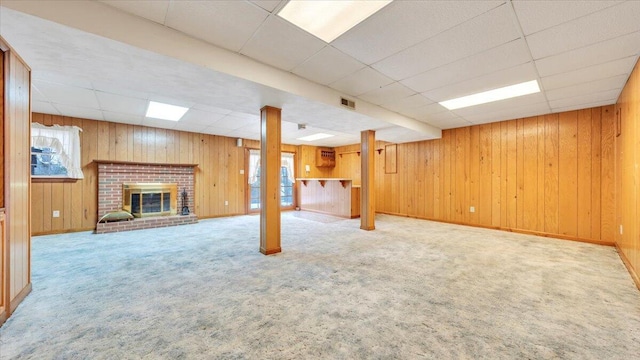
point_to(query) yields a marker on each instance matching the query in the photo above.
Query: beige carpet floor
(411, 289)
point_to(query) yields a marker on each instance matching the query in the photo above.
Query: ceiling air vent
(348, 103)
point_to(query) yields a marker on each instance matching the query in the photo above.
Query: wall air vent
(348, 103)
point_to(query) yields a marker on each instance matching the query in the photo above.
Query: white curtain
(254, 165)
(287, 162)
(64, 140)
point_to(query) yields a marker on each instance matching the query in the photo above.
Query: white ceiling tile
(402, 24)
(449, 123)
(117, 87)
(511, 76)
(483, 32)
(539, 15)
(269, 5)
(121, 104)
(606, 97)
(399, 135)
(607, 24)
(441, 116)
(253, 118)
(57, 77)
(36, 95)
(79, 112)
(122, 118)
(583, 89)
(501, 57)
(211, 109)
(510, 114)
(591, 73)
(423, 112)
(43, 107)
(230, 122)
(196, 128)
(228, 24)
(153, 10)
(158, 123)
(171, 101)
(212, 130)
(361, 81)
(244, 134)
(327, 66)
(620, 47)
(67, 95)
(585, 105)
(281, 44)
(194, 116)
(391, 92)
(410, 102)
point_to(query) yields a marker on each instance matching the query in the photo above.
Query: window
(55, 151)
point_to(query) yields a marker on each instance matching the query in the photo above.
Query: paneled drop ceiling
(225, 59)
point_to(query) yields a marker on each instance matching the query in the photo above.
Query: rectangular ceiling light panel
(507, 92)
(315, 137)
(162, 111)
(329, 19)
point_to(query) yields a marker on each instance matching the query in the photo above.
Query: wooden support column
(367, 189)
(270, 180)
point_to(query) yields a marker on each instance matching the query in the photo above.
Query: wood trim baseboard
(65, 231)
(519, 231)
(3, 315)
(627, 264)
(270, 251)
(18, 299)
(328, 213)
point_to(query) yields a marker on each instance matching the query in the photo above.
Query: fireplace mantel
(142, 163)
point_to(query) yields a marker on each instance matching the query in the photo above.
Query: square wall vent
(348, 103)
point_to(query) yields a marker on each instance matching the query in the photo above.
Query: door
(287, 181)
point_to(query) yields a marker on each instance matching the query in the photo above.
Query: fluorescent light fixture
(328, 19)
(315, 137)
(162, 111)
(507, 92)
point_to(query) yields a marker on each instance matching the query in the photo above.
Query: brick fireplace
(111, 177)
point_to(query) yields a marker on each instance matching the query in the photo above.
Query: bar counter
(333, 196)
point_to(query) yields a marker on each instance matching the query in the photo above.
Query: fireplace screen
(150, 199)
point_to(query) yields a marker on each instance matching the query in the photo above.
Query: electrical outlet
(56, 213)
(226, 202)
(620, 229)
(241, 171)
(472, 209)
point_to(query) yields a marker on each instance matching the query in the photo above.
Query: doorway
(287, 181)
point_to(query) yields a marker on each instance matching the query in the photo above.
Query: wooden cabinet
(325, 157)
(15, 115)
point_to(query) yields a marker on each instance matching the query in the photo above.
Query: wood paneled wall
(16, 113)
(217, 178)
(628, 175)
(348, 163)
(307, 156)
(1, 130)
(548, 175)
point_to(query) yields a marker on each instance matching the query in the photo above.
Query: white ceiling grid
(405, 58)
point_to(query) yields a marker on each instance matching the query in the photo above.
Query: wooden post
(270, 180)
(367, 196)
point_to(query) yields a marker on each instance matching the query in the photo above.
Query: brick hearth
(111, 176)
